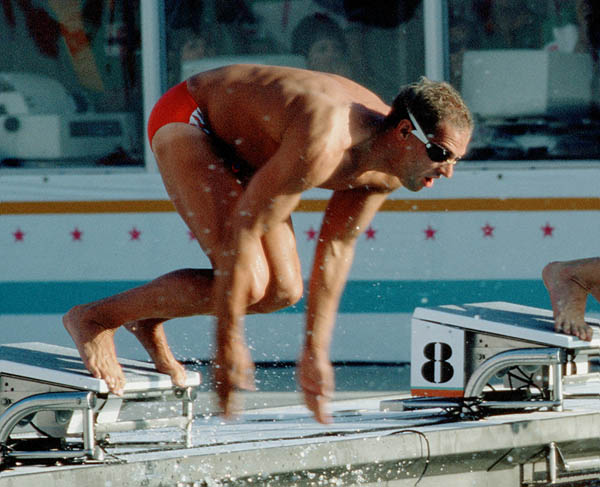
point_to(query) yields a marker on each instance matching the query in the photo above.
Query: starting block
(495, 354)
(48, 400)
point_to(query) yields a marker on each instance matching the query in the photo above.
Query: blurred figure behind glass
(323, 43)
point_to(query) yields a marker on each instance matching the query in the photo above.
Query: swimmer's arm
(302, 161)
(241, 260)
(266, 202)
(269, 199)
(347, 216)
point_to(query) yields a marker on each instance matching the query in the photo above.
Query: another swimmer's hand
(316, 378)
(233, 369)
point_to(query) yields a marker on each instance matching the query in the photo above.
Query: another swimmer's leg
(568, 295)
(151, 335)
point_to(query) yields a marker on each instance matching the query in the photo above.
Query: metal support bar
(178, 394)
(473, 393)
(551, 463)
(141, 424)
(51, 401)
(557, 385)
(188, 413)
(558, 466)
(184, 422)
(86, 402)
(519, 404)
(512, 358)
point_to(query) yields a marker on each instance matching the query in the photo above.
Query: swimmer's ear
(403, 129)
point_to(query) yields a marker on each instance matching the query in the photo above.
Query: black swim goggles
(436, 152)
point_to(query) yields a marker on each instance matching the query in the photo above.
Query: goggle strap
(418, 131)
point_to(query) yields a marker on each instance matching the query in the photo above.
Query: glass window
(377, 43)
(529, 72)
(70, 84)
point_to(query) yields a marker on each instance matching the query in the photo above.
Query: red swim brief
(176, 105)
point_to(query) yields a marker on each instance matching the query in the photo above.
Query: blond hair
(430, 102)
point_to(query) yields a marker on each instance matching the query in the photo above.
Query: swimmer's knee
(555, 269)
(546, 270)
(77, 315)
(292, 292)
(256, 294)
(280, 295)
(70, 315)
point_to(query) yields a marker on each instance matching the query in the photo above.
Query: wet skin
(299, 130)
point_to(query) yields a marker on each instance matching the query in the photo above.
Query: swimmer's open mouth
(428, 182)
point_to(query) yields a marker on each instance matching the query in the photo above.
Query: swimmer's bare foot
(568, 297)
(151, 335)
(96, 346)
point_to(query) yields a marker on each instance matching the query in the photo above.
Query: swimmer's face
(418, 171)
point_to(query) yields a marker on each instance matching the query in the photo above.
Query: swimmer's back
(270, 95)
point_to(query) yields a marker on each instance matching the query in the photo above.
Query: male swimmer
(237, 147)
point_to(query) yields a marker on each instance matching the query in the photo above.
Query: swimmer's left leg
(151, 334)
(568, 295)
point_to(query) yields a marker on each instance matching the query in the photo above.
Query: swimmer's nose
(446, 170)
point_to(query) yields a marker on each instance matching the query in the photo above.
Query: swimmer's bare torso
(317, 118)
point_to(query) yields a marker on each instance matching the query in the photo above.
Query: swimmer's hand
(233, 370)
(316, 378)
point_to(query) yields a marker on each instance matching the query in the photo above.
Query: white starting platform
(493, 355)
(498, 399)
(51, 407)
